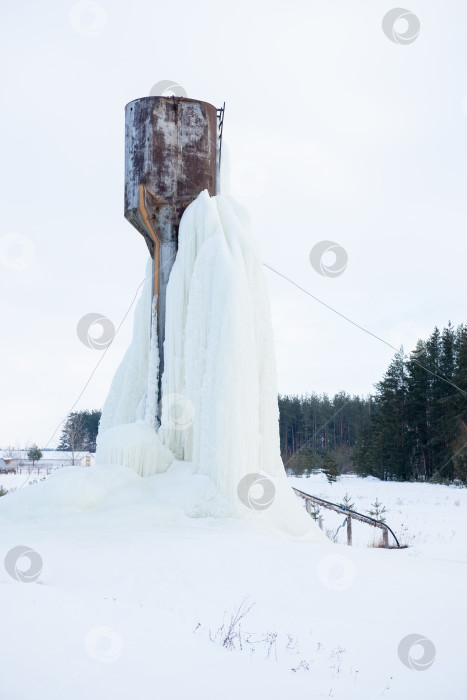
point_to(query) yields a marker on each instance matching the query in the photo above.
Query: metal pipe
(352, 513)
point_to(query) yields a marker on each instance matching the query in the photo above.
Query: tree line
(319, 432)
(413, 428)
(79, 433)
(419, 428)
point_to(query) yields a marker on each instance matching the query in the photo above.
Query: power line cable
(97, 365)
(357, 325)
(300, 288)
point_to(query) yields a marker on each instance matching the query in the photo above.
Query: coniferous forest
(413, 428)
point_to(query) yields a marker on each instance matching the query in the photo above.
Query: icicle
(127, 391)
(152, 387)
(127, 434)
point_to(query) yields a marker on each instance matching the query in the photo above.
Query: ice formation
(126, 401)
(127, 434)
(219, 408)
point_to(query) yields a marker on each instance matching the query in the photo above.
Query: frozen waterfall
(219, 410)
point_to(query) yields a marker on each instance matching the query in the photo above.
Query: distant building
(87, 460)
(51, 459)
(7, 464)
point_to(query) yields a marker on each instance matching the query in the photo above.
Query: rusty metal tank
(170, 157)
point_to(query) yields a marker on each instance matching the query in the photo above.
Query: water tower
(172, 153)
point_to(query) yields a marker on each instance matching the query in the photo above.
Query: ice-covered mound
(219, 391)
(219, 355)
(136, 445)
(109, 496)
(68, 492)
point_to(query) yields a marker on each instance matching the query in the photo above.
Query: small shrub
(347, 503)
(378, 511)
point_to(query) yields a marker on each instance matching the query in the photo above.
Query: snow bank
(132, 595)
(66, 493)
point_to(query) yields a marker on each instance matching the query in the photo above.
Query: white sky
(332, 132)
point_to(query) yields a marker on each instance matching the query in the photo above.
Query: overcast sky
(332, 132)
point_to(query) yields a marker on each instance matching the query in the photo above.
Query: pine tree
(383, 448)
(417, 412)
(34, 454)
(378, 511)
(459, 443)
(79, 433)
(414, 427)
(347, 503)
(329, 467)
(315, 512)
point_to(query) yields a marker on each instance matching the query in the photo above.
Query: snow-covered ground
(134, 598)
(12, 482)
(430, 518)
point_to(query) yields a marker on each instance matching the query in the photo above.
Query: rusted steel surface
(170, 157)
(170, 150)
